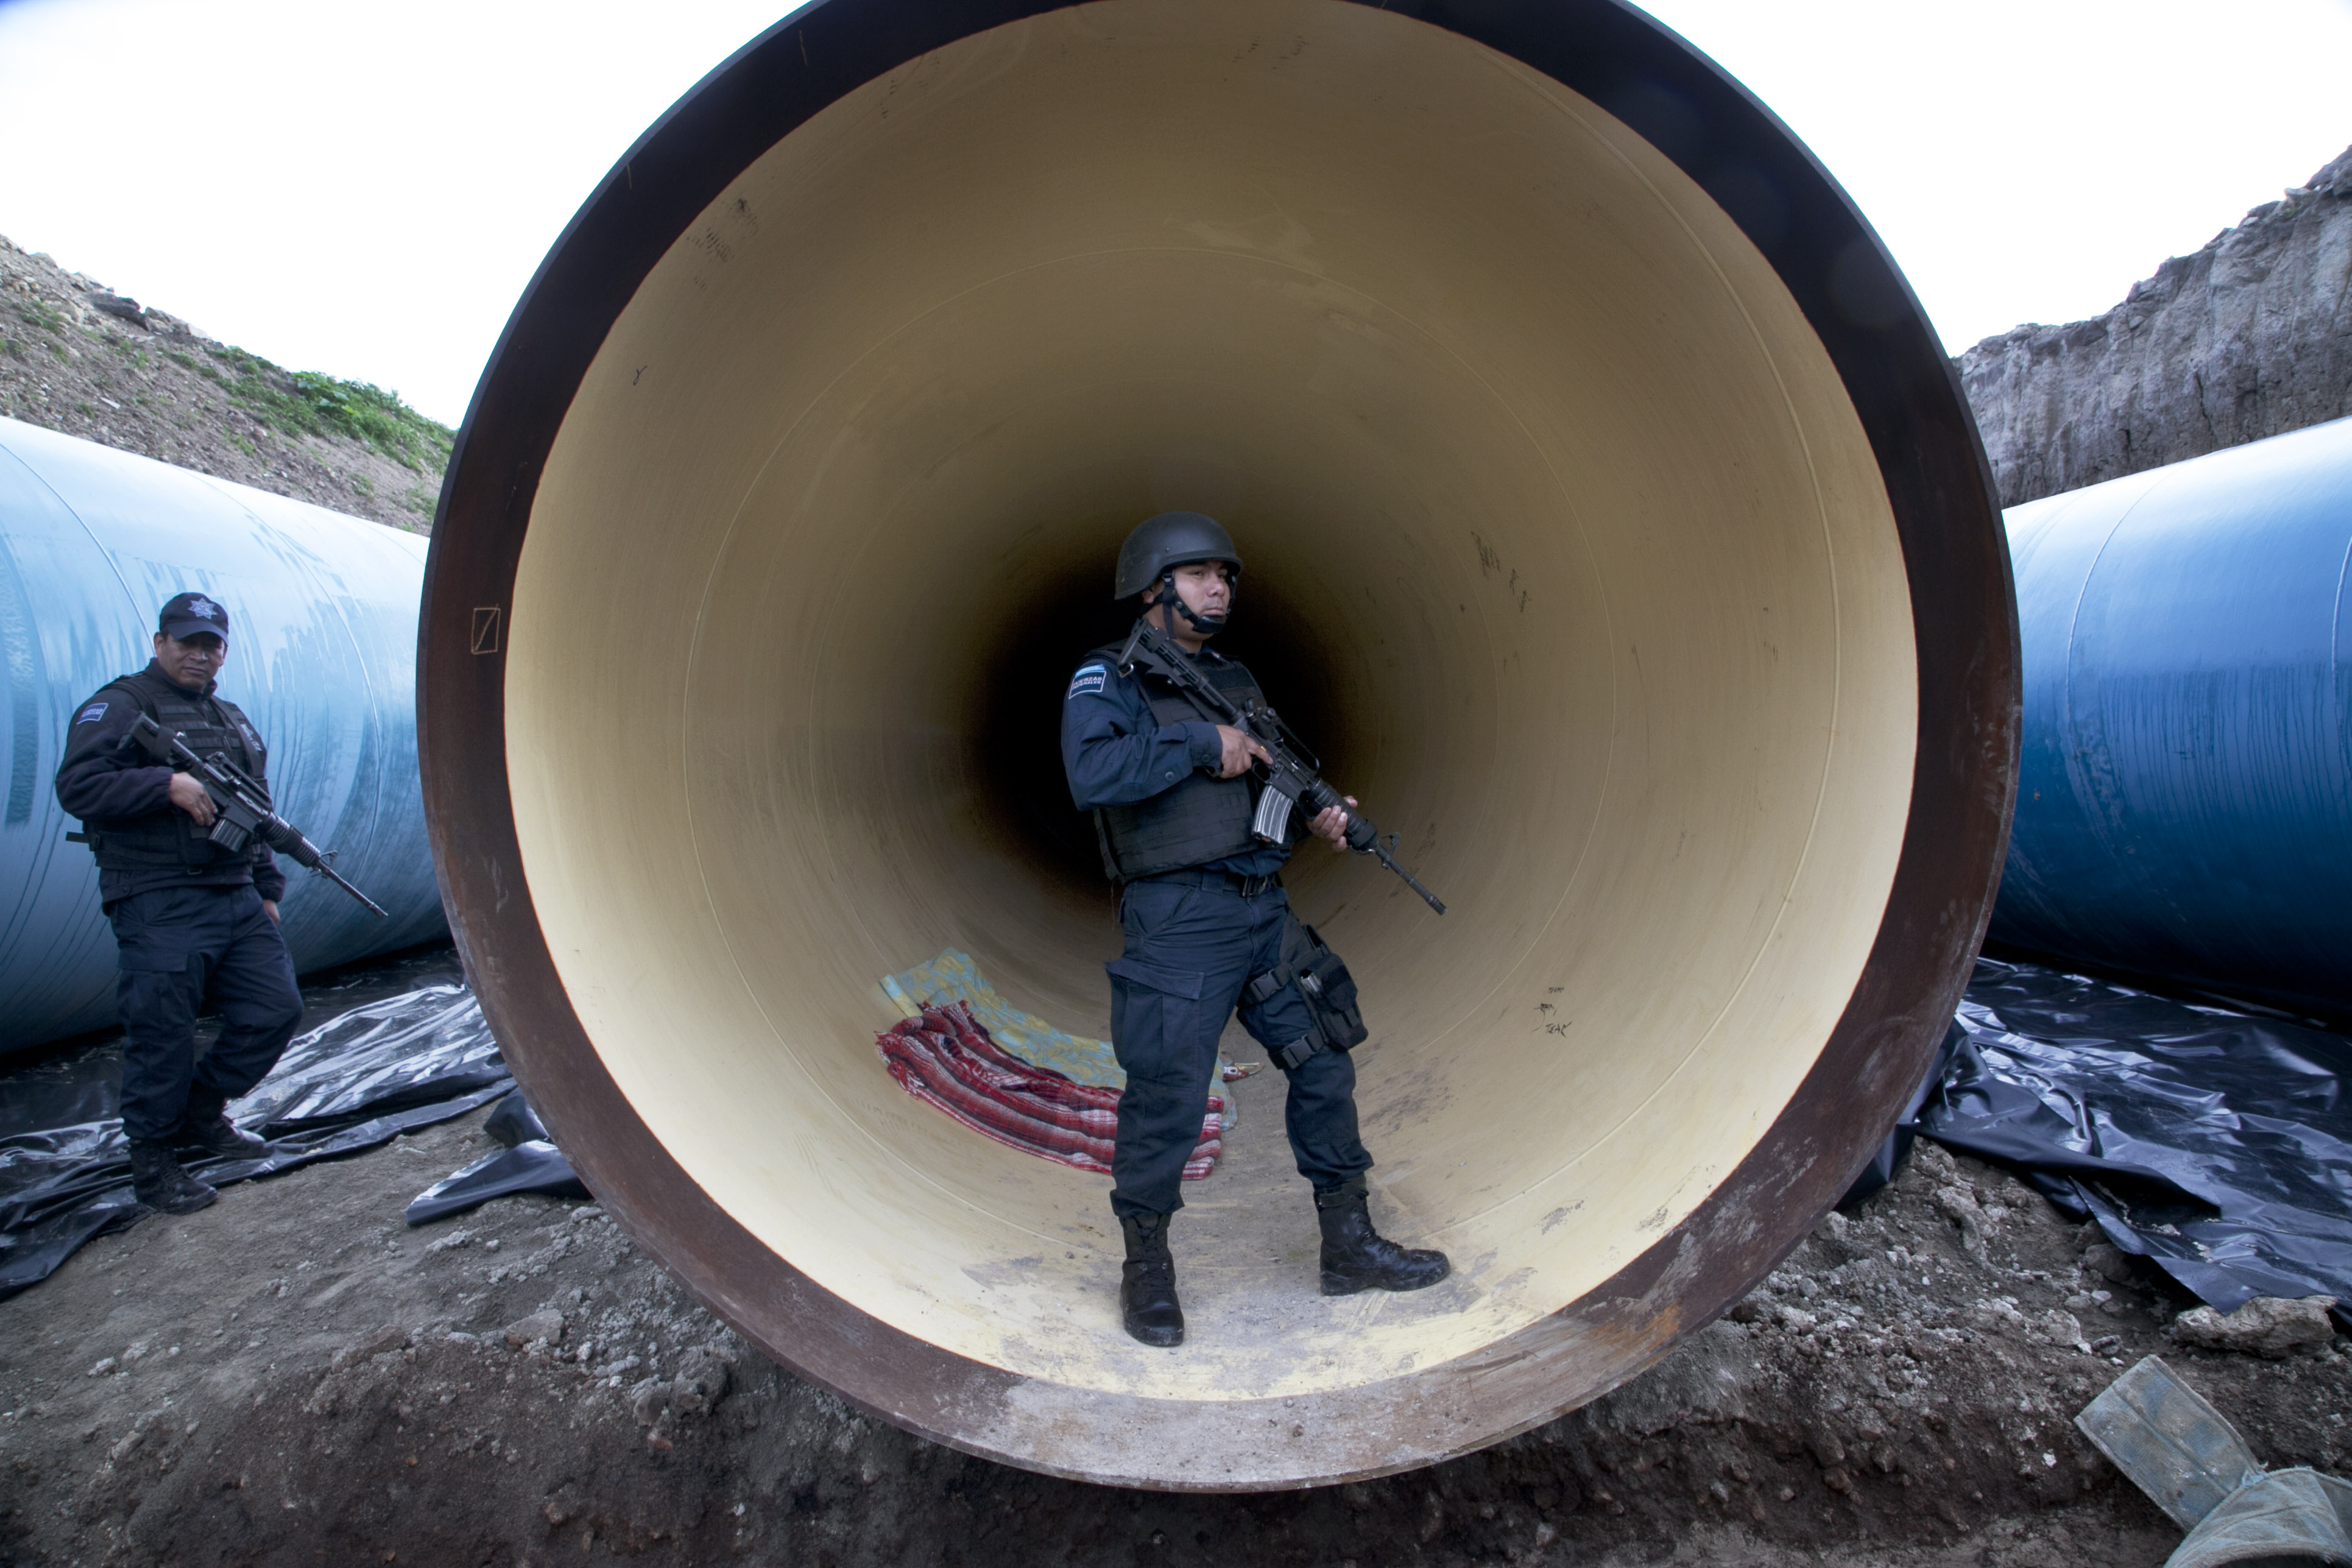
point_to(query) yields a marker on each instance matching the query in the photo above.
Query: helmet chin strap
(1168, 598)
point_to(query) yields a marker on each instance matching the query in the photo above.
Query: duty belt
(1201, 876)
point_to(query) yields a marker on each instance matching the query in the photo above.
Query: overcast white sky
(365, 189)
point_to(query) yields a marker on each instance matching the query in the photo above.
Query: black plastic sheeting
(2216, 1144)
(531, 1163)
(366, 1075)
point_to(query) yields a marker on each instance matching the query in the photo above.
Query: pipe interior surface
(1566, 545)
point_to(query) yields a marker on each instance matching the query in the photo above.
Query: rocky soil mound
(293, 1376)
(2249, 337)
(77, 357)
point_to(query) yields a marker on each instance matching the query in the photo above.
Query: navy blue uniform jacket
(107, 778)
(1116, 751)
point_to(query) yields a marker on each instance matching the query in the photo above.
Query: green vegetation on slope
(309, 402)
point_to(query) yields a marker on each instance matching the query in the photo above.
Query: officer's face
(1206, 587)
(191, 663)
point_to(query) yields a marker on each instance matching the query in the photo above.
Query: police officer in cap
(1203, 913)
(193, 923)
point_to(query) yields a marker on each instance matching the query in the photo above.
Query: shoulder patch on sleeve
(1089, 679)
(90, 714)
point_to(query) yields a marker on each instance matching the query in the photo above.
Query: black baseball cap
(190, 615)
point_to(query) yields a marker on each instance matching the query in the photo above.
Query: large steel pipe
(1613, 523)
(2185, 808)
(323, 609)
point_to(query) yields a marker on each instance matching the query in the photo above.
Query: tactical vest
(171, 837)
(1200, 818)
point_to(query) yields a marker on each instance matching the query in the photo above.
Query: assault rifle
(241, 806)
(1293, 779)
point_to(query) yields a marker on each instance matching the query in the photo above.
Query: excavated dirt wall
(2249, 336)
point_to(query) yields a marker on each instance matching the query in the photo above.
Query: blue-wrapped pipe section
(323, 659)
(2185, 807)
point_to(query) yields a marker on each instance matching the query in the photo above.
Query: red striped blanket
(947, 1058)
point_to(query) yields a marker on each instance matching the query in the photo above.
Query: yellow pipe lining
(1504, 414)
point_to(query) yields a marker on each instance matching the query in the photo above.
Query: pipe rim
(1907, 399)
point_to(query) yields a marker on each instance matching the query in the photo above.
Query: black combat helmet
(1160, 544)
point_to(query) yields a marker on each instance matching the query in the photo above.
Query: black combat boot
(206, 1126)
(1358, 1258)
(158, 1181)
(1146, 1282)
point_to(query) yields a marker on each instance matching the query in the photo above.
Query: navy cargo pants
(1190, 951)
(181, 946)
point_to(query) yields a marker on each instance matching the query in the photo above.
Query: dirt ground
(155, 386)
(293, 1376)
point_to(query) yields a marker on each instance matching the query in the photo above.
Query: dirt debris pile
(294, 1372)
(78, 358)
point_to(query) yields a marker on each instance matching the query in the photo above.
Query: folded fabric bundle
(944, 1056)
(954, 977)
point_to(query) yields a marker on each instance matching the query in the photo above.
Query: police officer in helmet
(192, 922)
(1204, 914)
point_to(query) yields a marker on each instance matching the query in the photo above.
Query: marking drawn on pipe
(485, 628)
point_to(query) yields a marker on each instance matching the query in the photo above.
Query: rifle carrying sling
(1336, 1022)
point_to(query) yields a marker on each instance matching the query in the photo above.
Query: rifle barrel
(378, 909)
(1412, 881)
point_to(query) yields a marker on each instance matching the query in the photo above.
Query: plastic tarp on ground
(531, 1163)
(377, 1069)
(2214, 1142)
